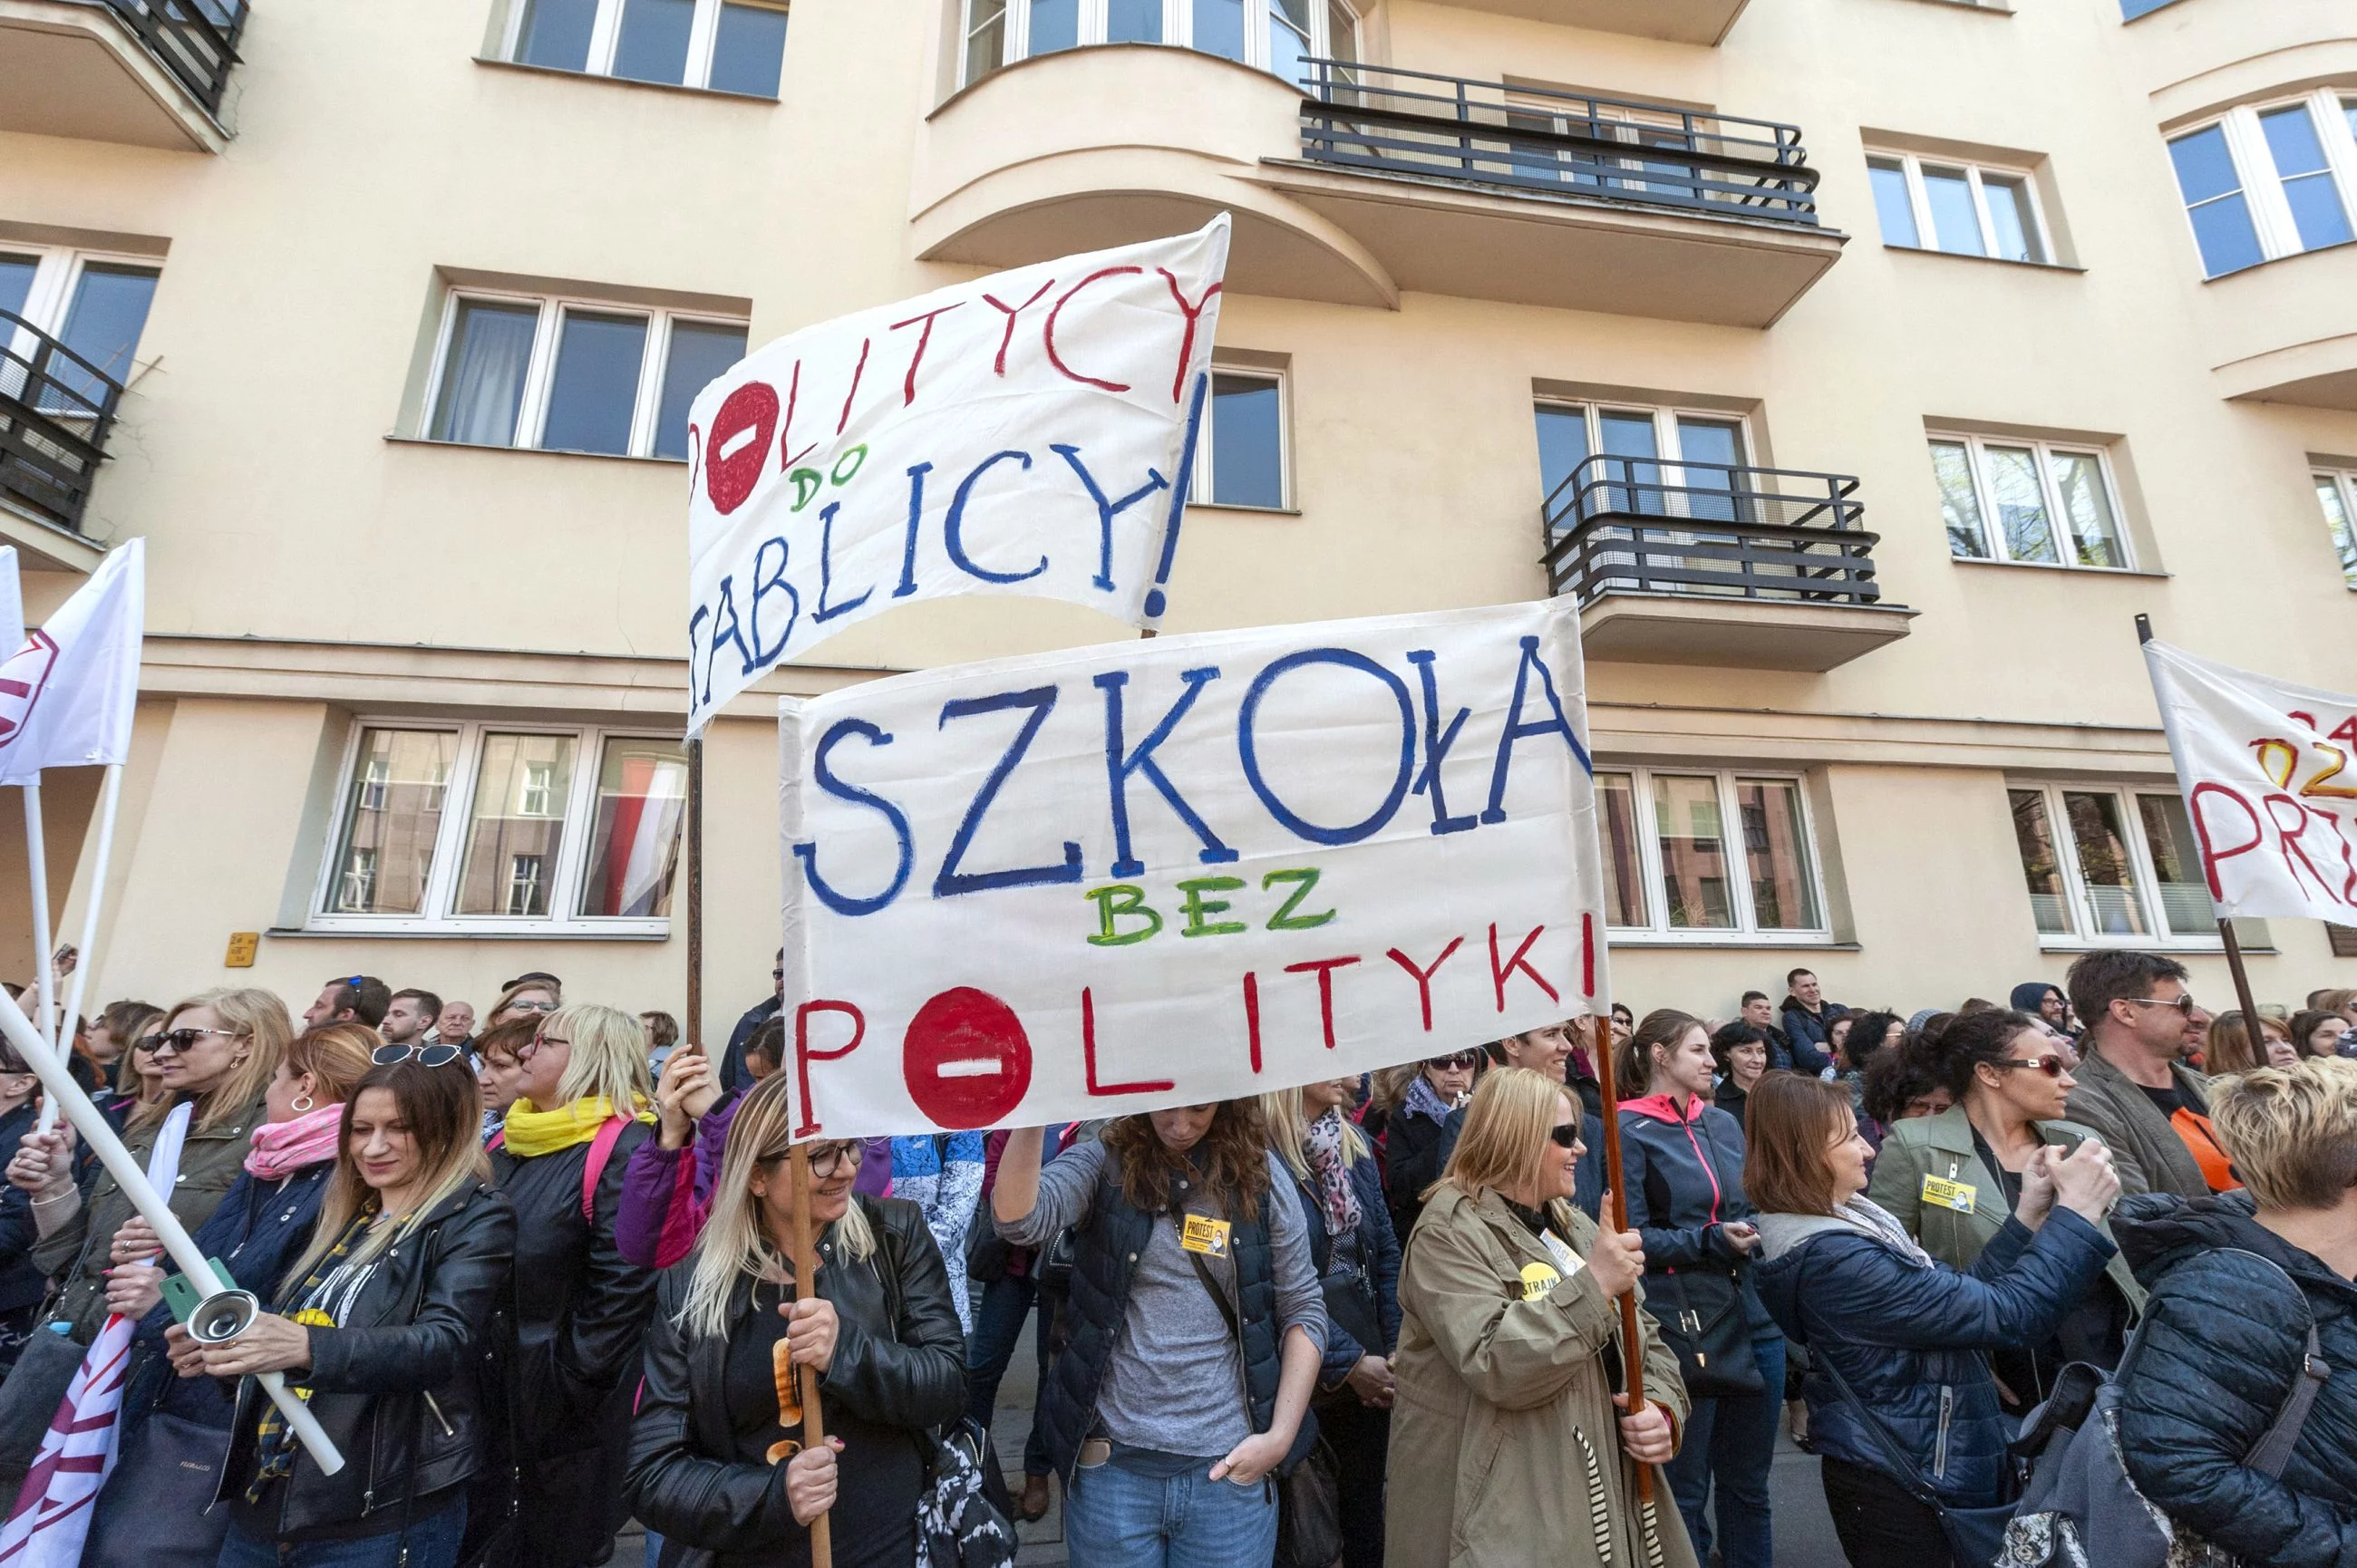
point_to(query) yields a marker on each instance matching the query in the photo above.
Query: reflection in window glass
(1960, 507)
(1288, 38)
(2332, 495)
(700, 352)
(1220, 27)
(2034, 835)
(1775, 853)
(634, 839)
(521, 790)
(16, 282)
(1248, 441)
(2215, 200)
(2107, 874)
(1563, 447)
(556, 33)
(986, 38)
(1134, 21)
(596, 390)
(386, 849)
(2015, 231)
(1892, 206)
(2299, 154)
(1055, 24)
(2185, 904)
(2021, 504)
(1954, 219)
(109, 312)
(1343, 34)
(750, 49)
(2079, 482)
(1694, 853)
(652, 43)
(482, 384)
(1616, 821)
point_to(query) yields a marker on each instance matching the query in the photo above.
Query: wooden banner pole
(692, 1029)
(1633, 1345)
(806, 1284)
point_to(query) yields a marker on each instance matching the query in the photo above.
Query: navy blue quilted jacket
(2226, 1337)
(1908, 1338)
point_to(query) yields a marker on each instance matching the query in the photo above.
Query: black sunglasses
(186, 1039)
(1466, 1060)
(427, 1056)
(2051, 1066)
(1565, 1135)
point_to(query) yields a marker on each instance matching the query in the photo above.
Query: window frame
(2328, 109)
(1177, 32)
(606, 35)
(568, 880)
(2344, 549)
(1747, 931)
(540, 369)
(1668, 440)
(56, 279)
(1200, 489)
(2140, 864)
(2042, 450)
(1919, 201)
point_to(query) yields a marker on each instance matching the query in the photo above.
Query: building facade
(1864, 366)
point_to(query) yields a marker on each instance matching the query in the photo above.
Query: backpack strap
(593, 1169)
(2272, 1451)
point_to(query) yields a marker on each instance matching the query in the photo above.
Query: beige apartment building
(1864, 366)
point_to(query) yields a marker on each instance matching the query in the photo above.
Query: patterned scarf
(1869, 1218)
(1423, 1100)
(1323, 1143)
(326, 1297)
(282, 1148)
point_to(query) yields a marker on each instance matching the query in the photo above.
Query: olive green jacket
(1940, 1147)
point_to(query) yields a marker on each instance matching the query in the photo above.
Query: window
(2336, 492)
(95, 305)
(570, 376)
(2131, 9)
(1924, 204)
(1278, 36)
(728, 46)
(1697, 854)
(1243, 446)
(2028, 501)
(2106, 864)
(545, 843)
(2270, 180)
(1659, 461)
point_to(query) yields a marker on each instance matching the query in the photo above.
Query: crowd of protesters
(533, 1272)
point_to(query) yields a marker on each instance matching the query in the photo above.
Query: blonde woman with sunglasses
(584, 1104)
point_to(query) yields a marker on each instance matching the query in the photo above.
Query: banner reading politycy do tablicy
(2267, 770)
(1026, 433)
(1166, 872)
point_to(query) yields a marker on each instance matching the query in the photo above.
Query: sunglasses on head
(2050, 1065)
(1463, 1061)
(427, 1056)
(1565, 1135)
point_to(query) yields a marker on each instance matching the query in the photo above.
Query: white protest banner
(1158, 873)
(12, 601)
(66, 696)
(1029, 432)
(2265, 767)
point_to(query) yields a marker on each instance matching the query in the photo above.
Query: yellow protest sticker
(1956, 1195)
(1538, 1280)
(1205, 1235)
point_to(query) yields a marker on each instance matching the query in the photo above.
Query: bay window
(2104, 864)
(1276, 36)
(1698, 854)
(2269, 180)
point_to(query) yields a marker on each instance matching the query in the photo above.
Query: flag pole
(694, 1021)
(1632, 1347)
(110, 797)
(2252, 1027)
(821, 1538)
(37, 864)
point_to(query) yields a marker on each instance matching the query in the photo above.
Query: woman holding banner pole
(1511, 1439)
(1197, 1326)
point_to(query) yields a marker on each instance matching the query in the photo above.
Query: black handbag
(1700, 1314)
(1309, 1511)
(152, 1511)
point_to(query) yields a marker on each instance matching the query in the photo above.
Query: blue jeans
(997, 1329)
(433, 1543)
(1732, 1441)
(1117, 1518)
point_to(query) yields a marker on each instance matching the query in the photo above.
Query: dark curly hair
(1233, 1154)
(1867, 1033)
(1894, 1078)
(1971, 1039)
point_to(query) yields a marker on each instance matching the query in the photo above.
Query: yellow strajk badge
(1953, 1195)
(1205, 1235)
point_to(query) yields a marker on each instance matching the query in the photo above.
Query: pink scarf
(282, 1148)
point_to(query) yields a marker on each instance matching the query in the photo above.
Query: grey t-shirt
(1176, 1380)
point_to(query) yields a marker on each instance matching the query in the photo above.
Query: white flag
(1026, 433)
(2266, 768)
(12, 601)
(65, 697)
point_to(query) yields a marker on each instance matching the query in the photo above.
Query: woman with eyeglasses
(718, 1460)
(134, 1027)
(531, 997)
(264, 1221)
(218, 1053)
(1414, 1128)
(386, 1319)
(582, 1106)
(1951, 1180)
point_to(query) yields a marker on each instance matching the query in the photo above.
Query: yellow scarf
(530, 1134)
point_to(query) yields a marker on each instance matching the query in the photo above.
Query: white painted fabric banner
(1031, 431)
(1156, 873)
(2266, 769)
(67, 696)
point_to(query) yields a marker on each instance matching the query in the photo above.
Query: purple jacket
(665, 1198)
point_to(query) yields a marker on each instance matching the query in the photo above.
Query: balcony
(1540, 197)
(1679, 21)
(1746, 569)
(56, 409)
(150, 73)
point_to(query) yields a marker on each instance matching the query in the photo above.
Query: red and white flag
(45, 1528)
(67, 695)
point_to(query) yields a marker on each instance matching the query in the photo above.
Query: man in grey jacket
(2133, 1088)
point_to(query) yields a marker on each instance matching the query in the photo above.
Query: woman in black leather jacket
(387, 1316)
(717, 1461)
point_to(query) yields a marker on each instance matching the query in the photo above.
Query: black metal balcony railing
(194, 40)
(1485, 132)
(1640, 525)
(55, 408)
